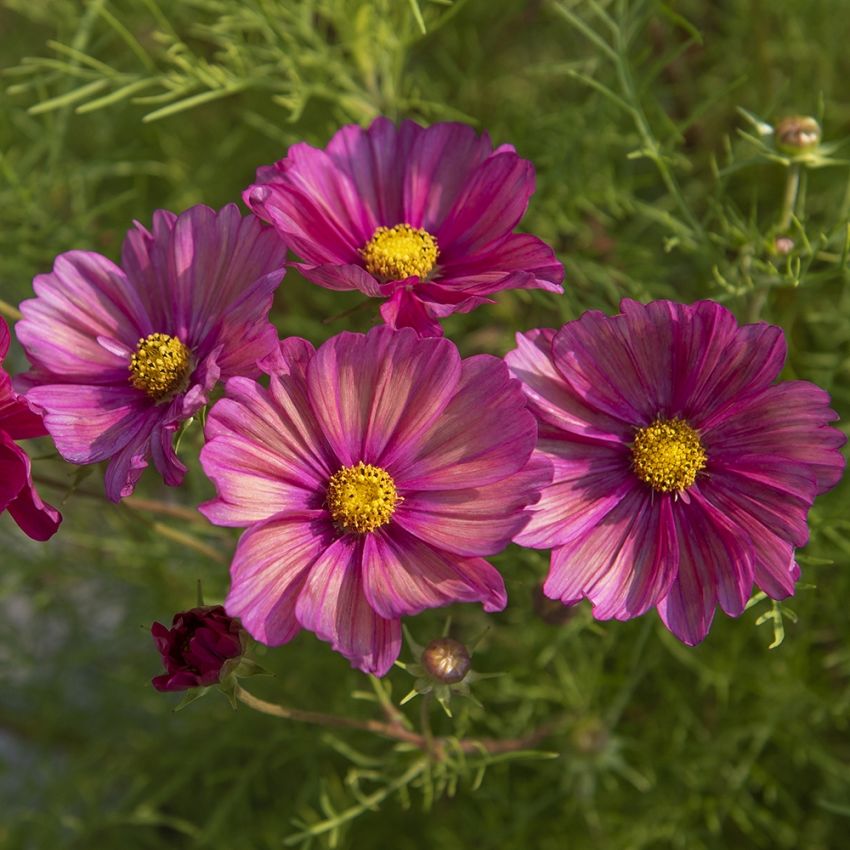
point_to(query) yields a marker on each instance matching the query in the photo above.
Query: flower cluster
(653, 451)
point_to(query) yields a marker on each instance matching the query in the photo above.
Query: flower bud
(446, 660)
(783, 245)
(797, 134)
(194, 650)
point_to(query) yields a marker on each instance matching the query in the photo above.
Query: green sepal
(190, 696)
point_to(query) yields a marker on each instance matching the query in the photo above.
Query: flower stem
(9, 311)
(789, 201)
(437, 747)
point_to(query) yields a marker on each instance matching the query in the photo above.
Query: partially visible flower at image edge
(373, 475)
(196, 647)
(18, 495)
(422, 217)
(122, 356)
(683, 474)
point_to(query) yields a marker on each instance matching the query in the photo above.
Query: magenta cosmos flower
(17, 493)
(122, 356)
(683, 473)
(420, 216)
(373, 473)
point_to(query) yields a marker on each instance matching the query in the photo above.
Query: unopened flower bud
(446, 660)
(783, 245)
(797, 134)
(194, 650)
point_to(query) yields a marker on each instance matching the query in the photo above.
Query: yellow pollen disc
(667, 455)
(362, 497)
(160, 365)
(394, 253)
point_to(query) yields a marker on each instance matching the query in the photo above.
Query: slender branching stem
(438, 748)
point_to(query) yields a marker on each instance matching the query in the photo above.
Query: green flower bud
(446, 660)
(797, 134)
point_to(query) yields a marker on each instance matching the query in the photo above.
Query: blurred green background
(648, 188)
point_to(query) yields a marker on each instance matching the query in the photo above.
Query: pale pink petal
(342, 277)
(333, 605)
(624, 565)
(269, 568)
(403, 575)
(590, 479)
(91, 423)
(551, 398)
(474, 521)
(85, 297)
(265, 451)
(484, 434)
(376, 395)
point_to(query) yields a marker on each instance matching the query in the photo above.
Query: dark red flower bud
(446, 660)
(196, 647)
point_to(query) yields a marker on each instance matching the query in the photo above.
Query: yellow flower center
(362, 497)
(160, 365)
(394, 253)
(667, 455)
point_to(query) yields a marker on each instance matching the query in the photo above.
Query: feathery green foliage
(647, 123)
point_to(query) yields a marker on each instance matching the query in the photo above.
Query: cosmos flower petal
(520, 261)
(333, 604)
(265, 451)
(787, 422)
(551, 399)
(715, 566)
(315, 207)
(474, 521)
(403, 575)
(290, 356)
(448, 458)
(374, 395)
(374, 159)
(624, 565)
(127, 464)
(89, 423)
(440, 163)
(17, 419)
(408, 309)
(269, 570)
(763, 516)
(85, 297)
(492, 202)
(342, 277)
(13, 471)
(590, 479)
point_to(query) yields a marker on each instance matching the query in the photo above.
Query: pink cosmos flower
(683, 473)
(423, 217)
(122, 356)
(17, 493)
(373, 474)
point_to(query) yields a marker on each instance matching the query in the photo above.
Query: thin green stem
(9, 311)
(789, 200)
